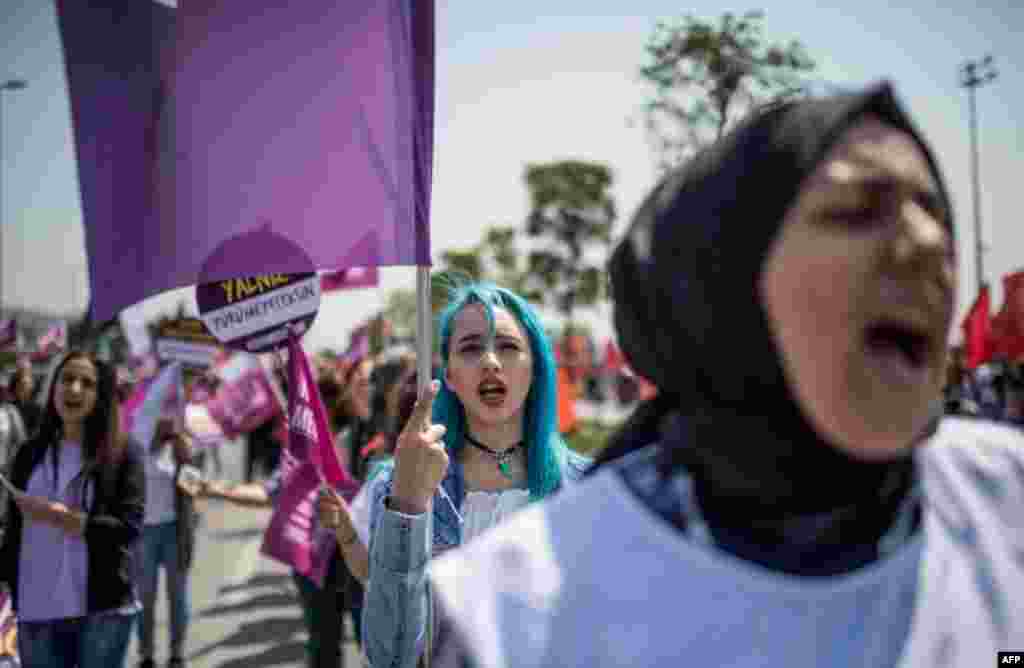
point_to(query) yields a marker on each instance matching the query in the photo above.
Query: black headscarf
(689, 317)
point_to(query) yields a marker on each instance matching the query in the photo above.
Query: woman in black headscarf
(790, 292)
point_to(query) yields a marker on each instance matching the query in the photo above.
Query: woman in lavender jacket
(67, 557)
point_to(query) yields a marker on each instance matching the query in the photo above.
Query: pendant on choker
(503, 458)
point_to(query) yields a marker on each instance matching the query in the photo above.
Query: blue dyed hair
(546, 452)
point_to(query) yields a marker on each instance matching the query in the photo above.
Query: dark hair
(102, 441)
(343, 415)
(407, 395)
(330, 393)
(408, 392)
(12, 384)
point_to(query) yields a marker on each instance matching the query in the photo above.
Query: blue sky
(521, 82)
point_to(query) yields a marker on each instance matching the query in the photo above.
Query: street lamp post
(972, 75)
(6, 86)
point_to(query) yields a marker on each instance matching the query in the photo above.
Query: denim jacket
(398, 607)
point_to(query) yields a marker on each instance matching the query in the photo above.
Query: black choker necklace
(502, 457)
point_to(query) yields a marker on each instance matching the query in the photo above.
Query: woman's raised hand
(421, 460)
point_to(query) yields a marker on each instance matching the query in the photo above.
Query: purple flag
(322, 132)
(310, 461)
(115, 52)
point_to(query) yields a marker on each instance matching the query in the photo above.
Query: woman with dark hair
(352, 416)
(793, 496)
(68, 553)
(351, 523)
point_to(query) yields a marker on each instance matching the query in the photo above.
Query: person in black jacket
(68, 551)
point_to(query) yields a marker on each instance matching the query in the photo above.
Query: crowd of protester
(790, 494)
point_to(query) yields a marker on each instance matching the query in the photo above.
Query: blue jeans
(96, 641)
(160, 547)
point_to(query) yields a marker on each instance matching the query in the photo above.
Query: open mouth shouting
(492, 392)
(74, 406)
(903, 349)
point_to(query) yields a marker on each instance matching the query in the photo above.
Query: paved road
(245, 612)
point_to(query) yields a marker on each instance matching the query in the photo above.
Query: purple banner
(322, 133)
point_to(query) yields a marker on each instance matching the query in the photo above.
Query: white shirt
(480, 511)
(160, 486)
(594, 578)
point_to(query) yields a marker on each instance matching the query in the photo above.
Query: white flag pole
(424, 328)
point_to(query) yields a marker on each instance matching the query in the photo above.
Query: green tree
(467, 261)
(571, 211)
(706, 76)
(500, 247)
(400, 311)
(496, 257)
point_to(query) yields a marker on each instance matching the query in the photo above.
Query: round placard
(254, 313)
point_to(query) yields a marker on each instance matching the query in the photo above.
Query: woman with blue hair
(481, 443)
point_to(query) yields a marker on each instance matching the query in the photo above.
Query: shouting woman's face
(491, 376)
(858, 288)
(76, 391)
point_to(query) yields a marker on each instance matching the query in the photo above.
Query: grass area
(590, 437)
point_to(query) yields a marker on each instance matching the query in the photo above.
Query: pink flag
(358, 347)
(8, 333)
(162, 397)
(309, 462)
(204, 429)
(349, 279)
(245, 398)
(53, 341)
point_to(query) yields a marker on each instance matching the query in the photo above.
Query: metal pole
(974, 74)
(979, 246)
(424, 328)
(10, 84)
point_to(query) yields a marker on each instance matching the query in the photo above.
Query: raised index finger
(420, 420)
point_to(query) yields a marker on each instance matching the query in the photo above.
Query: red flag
(567, 395)
(1008, 325)
(977, 328)
(648, 390)
(613, 358)
(349, 279)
